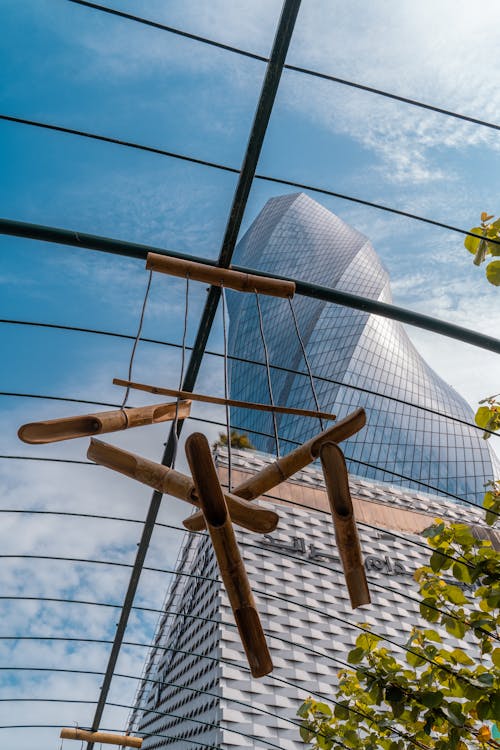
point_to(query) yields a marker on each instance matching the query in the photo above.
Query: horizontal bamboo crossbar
(171, 482)
(222, 401)
(226, 277)
(231, 565)
(105, 737)
(279, 471)
(346, 532)
(67, 428)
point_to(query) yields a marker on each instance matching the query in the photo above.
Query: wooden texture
(230, 562)
(271, 476)
(67, 428)
(171, 482)
(346, 532)
(222, 401)
(123, 740)
(226, 277)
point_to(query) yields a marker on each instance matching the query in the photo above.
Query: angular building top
(358, 359)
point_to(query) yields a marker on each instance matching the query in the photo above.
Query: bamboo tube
(241, 282)
(346, 532)
(231, 565)
(67, 428)
(222, 401)
(272, 475)
(171, 482)
(124, 740)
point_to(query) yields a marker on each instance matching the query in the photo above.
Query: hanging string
(226, 393)
(139, 331)
(311, 379)
(181, 377)
(268, 370)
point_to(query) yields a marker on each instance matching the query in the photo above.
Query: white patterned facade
(198, 692)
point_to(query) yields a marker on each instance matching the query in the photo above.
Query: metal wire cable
(409, 539)
(288, 66)
(264, 178)
(175, 423)
(233, 357)
(216, 580)
(146, 734)
(136, 341)
(306, 361)
(268, 373)
(226, 391)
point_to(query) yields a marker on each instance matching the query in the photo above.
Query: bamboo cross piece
(171, 482)
(346, 532)
(279, 471)
(67, 428)
(226, 277)
(230, 562)
(222, 401)
(84, 735)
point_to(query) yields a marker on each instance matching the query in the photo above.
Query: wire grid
(236, 171)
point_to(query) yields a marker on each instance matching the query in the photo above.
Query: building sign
(297, 545)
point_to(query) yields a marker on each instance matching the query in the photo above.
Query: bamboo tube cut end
(357, 586)
(254, 641)
(54, 430)
(113, 458)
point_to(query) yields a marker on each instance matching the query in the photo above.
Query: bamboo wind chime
(217, 509)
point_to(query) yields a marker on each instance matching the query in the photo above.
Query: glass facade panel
(295, 236)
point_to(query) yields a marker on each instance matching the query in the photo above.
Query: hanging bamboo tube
(67, 428)
(222, 401)
(277, 472)
(346, 532)
(231, 565)
(171, 482)
(124, 740)
(226, 277)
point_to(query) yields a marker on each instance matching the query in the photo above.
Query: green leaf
(472, 243)
(306, 734)
(456, 595)
(394, 694)
(414, 659)
(461, 572)
(493, 272)
(482, 416)
(495, 657)
(304, 709)
(437, 561)
(323, 708)
(432, 699)
(461, 658)
(432, 635)
(455, 714)
(486, 678)
(341, 711)
(356, 655)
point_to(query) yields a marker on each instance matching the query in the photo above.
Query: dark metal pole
(267, 96)
(134, 250)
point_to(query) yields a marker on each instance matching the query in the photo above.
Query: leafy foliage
(435, 696)
(488, 416)
(238, 440)
(487, 243)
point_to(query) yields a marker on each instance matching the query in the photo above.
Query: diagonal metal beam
(261, 119)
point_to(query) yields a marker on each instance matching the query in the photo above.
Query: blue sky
(66, 64)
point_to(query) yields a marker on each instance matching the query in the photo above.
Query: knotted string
(226, 392)
(308, 367)
(268, 370)
(139, 331)
(181, 377)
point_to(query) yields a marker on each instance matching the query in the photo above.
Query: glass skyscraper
(351, 352)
